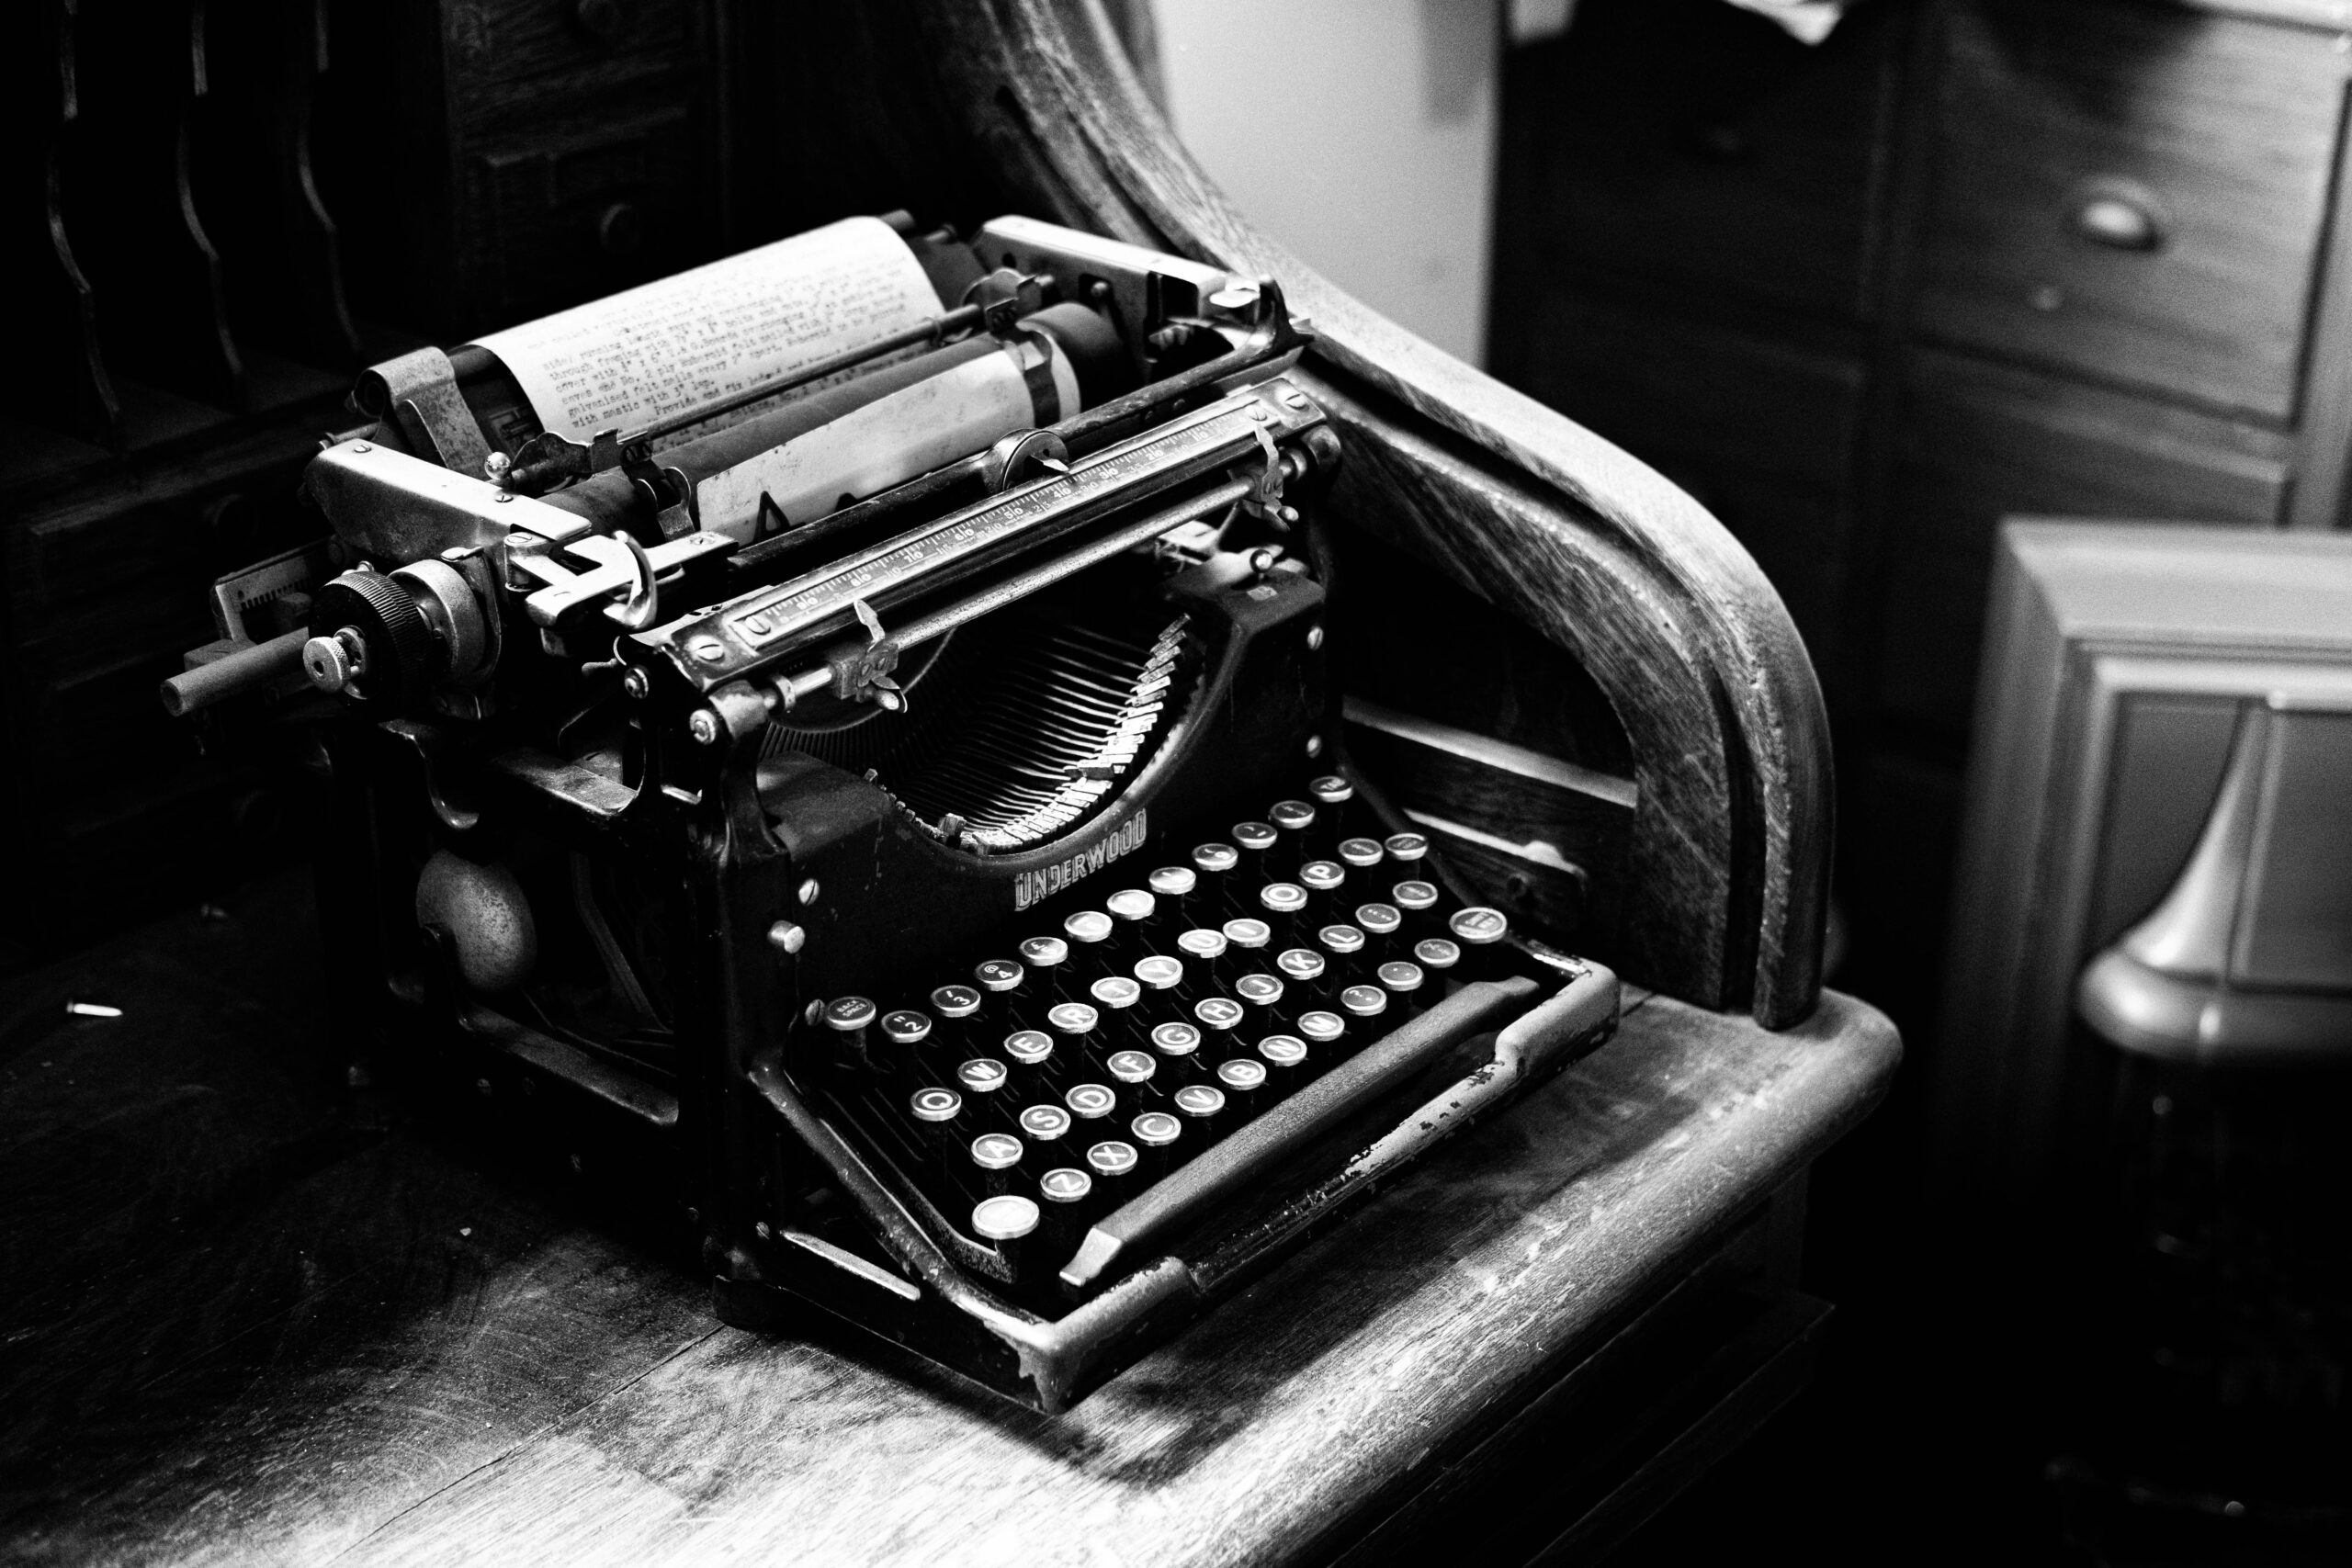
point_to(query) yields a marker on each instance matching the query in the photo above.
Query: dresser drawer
(2132, 192)
(1983, 443)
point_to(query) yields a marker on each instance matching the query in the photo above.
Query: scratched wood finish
(1033, 102)
(248, 1322)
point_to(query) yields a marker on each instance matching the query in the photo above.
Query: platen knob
(369, 641)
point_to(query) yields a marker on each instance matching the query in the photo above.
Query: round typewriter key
(1115, 997)
(1179, 1044)
(1300, 964)
(1361, 854)
(1279, 904)
(1363, 1001)
(1047, 958)
(983, 1080)
(1203, 952)
(1206, 947)
(847, 1018)
(1403, 982)
(1480, 932)
(1006, 1222)
(1176, 888)
(1030, 1047)
(1114, 1163)
(1416, 903)
(1407, 847)
(1007, 1218)
(1322, 875)
(1172, 882)
(1334, 799)
(1307, 974)
(1090, 1102)
(1214, 860)
(1003, 997)
(1381, 924)
(1032, 1054)
(1244, 1082)
(1260, 993)
(1076, 1033)
(1246, 931)
(1064, 1184)
(1285, 1059)
(996, 1163)
(935, 1107)
(1044, 1126)
(1156, 1133)
(1323, 1029)
(1159, 973)
(1064, 1192)
(1322, 879)
(1342, 942)
(1282, 898)
(1302, 836)
(904, 1031)
(846, 1014)
(1437, 955)
(1255, 842)
(1218, 1014)
(1133, 1071)
(954, 1010)
(1131, 909)
(1203, 1107)
(1072, 1018)
(1087, 929)
(1415, 895)
(1218, 867)
(940, 1125)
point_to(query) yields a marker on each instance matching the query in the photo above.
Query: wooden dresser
(1968, 259)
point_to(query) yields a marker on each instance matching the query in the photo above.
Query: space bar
(1248, 1153)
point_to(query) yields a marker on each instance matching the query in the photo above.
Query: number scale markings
(796, 607)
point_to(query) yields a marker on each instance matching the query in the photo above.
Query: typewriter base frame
(719, 848)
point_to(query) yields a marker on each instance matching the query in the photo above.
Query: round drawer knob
(2119, 222)
(620, 230)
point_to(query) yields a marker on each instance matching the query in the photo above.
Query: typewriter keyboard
(1058, 1080)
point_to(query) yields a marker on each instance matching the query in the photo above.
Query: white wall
(1361, 134)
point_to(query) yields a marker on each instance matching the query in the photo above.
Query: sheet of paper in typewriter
(651, 350)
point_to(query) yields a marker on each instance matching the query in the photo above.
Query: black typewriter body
(955, 908)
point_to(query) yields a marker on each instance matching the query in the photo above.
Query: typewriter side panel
(1728, 851)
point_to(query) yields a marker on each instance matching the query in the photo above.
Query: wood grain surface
(250, 1321)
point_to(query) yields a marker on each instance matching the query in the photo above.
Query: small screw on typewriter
(839, 742)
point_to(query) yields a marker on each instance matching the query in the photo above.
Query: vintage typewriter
(842, 740)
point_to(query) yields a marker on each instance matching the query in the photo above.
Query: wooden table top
(242, 1325)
